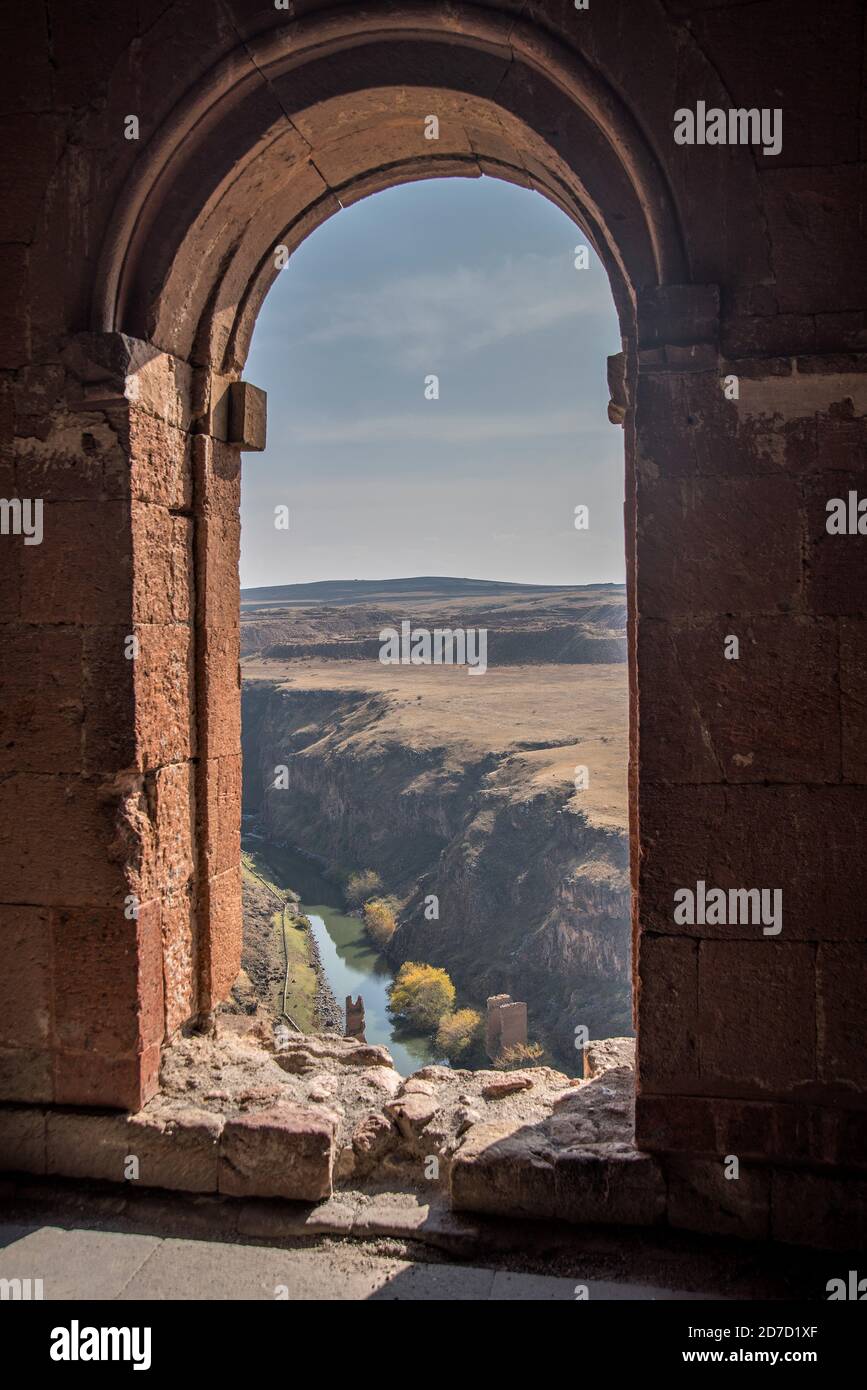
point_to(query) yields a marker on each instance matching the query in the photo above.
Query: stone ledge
(287, 1151)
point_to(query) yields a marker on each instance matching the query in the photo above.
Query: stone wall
(131, 272)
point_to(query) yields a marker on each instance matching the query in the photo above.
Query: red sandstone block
(842, 1015)
(217, 475)
(177, 1153)
(668, 1042)
(806, 842)
(705, 718)
(165, 706)
(820, 1210)
(26, 1075)
(160, 463)
(842, 439)
(613, 1188)
(809, 207)
(698, 543)
(687, 427)
(108, 692)
(117, 1083)
(287, 1151)
(22, 1140)
(27, 81)
(836, 566)
(177, 924)
(223, 947)
(163, 558)
(108, 995)
(223, 813)
(767, 335)
(702, 1198)
(678, 314)
(853, 698)
(220, 691)
(219, 586)
(757, 1016)
(82, 571)
(14, 307)
(41, 700)
(63, 456)
(25, 979)
(71, 865)
(167, 866)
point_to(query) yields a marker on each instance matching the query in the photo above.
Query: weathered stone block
(822, 1211)
(70, 866)
(224, 936)
(804, 841)
(841, 1006)
(699, 539)
(165, 715)
(25, 980)
(22, 1139)
(608, 1186)
(121, 1083)
(107, 980)
(709, 718)
(853, 698)
(163, 558)
(176, 1153)
(248, 415)
(287, 1151)
(26, 1074)
(497, 1170)
(757, 1015)
(702, 1198)
(82, 571)
(668, 1024)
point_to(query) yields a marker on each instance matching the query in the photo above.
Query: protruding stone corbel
(619, 402)
(248, 416)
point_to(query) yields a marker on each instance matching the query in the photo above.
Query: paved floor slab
(76, 1264)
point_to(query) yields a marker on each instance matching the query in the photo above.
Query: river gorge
(505, 874)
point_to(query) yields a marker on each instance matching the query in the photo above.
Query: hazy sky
(473, 280)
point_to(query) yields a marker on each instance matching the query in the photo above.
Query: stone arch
(285, 130)
(330, 110)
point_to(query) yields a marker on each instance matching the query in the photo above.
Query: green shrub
(422, 994)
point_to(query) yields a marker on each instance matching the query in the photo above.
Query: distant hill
(350, 591)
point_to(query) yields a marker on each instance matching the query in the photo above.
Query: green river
(351, 962)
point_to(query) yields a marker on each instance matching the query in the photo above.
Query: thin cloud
(421, 317)
(433, 426)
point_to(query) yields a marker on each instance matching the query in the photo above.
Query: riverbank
(347, 959)
(281, 966)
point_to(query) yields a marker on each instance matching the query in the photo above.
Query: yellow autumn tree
(422, 994)
(380, 921)
(361, 886)
(457, 1032)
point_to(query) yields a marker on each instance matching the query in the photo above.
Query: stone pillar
(513, 1025)
(493, 1046)
(120, 794)
(753, 773)
(355, 1018)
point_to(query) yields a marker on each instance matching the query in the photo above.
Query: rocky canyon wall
(532, 897)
